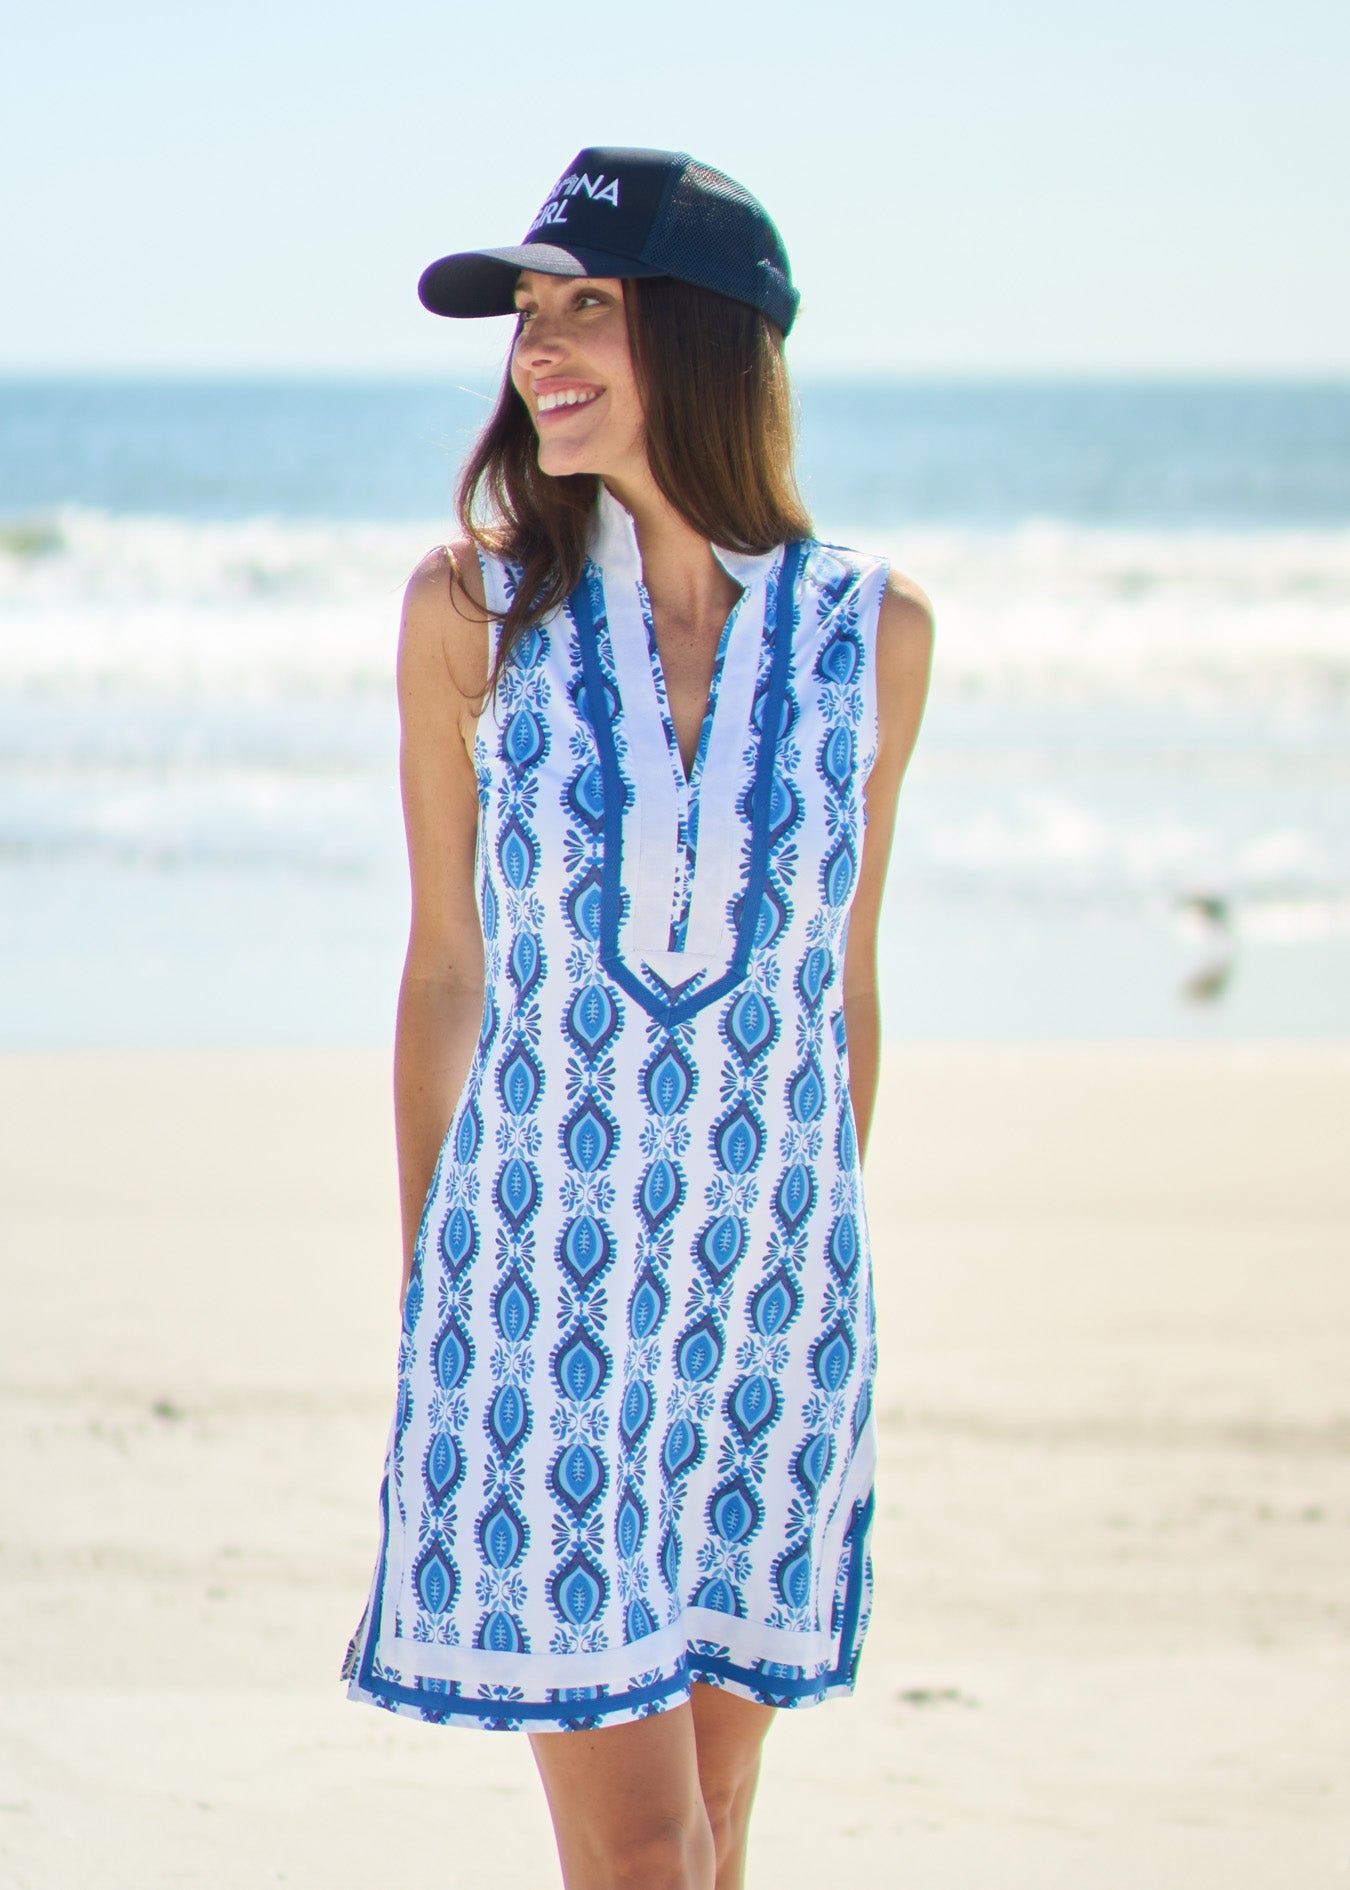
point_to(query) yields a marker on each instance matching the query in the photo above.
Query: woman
(645, 718)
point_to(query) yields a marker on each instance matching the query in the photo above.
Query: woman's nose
(541, 339)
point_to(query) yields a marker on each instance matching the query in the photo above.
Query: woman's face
(572, 367)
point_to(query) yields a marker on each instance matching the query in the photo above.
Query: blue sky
(963, 187)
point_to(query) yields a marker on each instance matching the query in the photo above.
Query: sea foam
(93, 599)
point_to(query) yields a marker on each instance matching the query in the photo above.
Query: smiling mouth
(566, 397)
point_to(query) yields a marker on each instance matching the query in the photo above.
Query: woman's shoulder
(447, 578)
(904, 659)
(444, 610)
(838, 571)
(894, 617)
(906, 609)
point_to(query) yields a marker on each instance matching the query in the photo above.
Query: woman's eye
(584, 299)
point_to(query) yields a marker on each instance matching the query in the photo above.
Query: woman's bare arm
(442, 668)
(904, 656)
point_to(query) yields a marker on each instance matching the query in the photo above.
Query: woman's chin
(559, 457)
(559, 465)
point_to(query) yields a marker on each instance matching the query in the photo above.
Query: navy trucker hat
(627, 213)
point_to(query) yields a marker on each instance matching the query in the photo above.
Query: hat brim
(483, 281)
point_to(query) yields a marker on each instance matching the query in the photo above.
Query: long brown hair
(718, 413)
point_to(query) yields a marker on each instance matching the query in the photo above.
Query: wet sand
(1112, 1643)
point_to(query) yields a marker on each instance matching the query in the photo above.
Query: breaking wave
(92, 599)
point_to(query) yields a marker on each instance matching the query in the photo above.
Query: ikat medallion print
(633, 1443)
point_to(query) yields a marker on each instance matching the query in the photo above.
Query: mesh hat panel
(712, 232)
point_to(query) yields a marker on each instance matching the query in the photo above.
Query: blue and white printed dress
(633, 1445)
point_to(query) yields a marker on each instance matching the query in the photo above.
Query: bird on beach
(1207, 918)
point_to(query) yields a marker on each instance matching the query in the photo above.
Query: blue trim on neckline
(672, 1011)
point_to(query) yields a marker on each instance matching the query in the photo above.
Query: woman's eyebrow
(592, 283)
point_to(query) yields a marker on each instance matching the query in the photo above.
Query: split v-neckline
(616, 551)
(680, 883)
(687, 783)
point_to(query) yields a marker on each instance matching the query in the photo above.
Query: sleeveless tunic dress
(633, 1442)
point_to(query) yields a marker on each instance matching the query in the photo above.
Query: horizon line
(1310, 377)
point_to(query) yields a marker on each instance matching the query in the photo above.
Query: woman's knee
(666, 1853)
(728, 1798)
(730, 1735)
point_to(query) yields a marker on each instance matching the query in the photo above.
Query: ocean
(1127, 818)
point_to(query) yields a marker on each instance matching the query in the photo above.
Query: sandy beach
(1112, 1645)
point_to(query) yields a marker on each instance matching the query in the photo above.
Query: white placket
(655, 865)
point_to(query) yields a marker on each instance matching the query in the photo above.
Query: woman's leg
(662, 1803)
(627, 1807)
(729, 1733)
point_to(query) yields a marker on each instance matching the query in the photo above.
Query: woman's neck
(679, 568)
